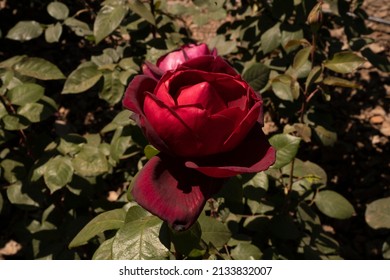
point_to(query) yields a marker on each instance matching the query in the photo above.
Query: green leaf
(223, 46)
(344, 62)
(90, 162)
(17, 196)
(271, 39)
(327, 137)
(334, 205)
(214, 231)
(150, 151)
(120, 142)
(25, 31)
(283, 227)
(301, 58)
(13, 170)
(284, 87)
(287, 36)
(313, 77)
(80, 28)
(82, 79)
(139, 240)
(286, 148)
(58, 173)
(113, 89)
(104, 252)
(15, 122)
(245, 251)
(254, 191)
(122, 119)
(140, 8)
(378, 213)
(187, 242)
(58, 10)
(12, 61)
(386, 249)
(39, 68)
(25, 93)
(53, 32)
(107, 20)
(109, 220)
(35, 112)
(339, 82)
(257, 76)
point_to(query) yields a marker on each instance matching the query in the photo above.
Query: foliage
(69, 152)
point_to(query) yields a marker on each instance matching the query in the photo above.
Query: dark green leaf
(71, 144)
(90, 161)
(271, 39)
(257, 76)
(25, 30)
(245, 251)
(112, 219)
(53, 33)
(58, 10)
(39, 68)
(82, 79)
(58, 173)
(113, 89)
(334, 205)
(107, 20)
(122, 119)
(378, 213)
(214, 231)
(188, 242)
(140, 8)
(344, 62)
(120, 142)
(283, 227)
(339, 82)
(223, 46)
(25, 93)
(139, 240)
(104, 252)
(12, 61)
(286, 148)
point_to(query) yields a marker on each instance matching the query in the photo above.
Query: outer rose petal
(134, 99)
(169, 190)
(254, 154)
(210, 63)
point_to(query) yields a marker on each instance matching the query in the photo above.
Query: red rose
(206, 122)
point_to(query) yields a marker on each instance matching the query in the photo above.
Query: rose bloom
(205, 121)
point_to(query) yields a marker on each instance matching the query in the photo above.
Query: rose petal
(174, 59)
(169, 190)
(134, 101)
(152, 70)
(203, 94)
(254, 154)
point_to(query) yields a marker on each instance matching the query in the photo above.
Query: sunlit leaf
(58, 10)
(58, 173)
(245, 251)
(378, 213)
(271, 39)
(82, 79)
(90, 161)
(16, 196)
(104, 252)
(53, 32)
(139, 240)
(107, 20)
(140, 8)
(334, 205)
(39, 68)
(25, 93)
(339, 82)
(286, 148)
(108, 220)
(25, 31)
(344, 62)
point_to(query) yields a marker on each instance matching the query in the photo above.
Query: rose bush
(206, 122)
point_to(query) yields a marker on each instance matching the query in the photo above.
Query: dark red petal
(134, 100)
(152, 70)
(254, 154)
(169, 190)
